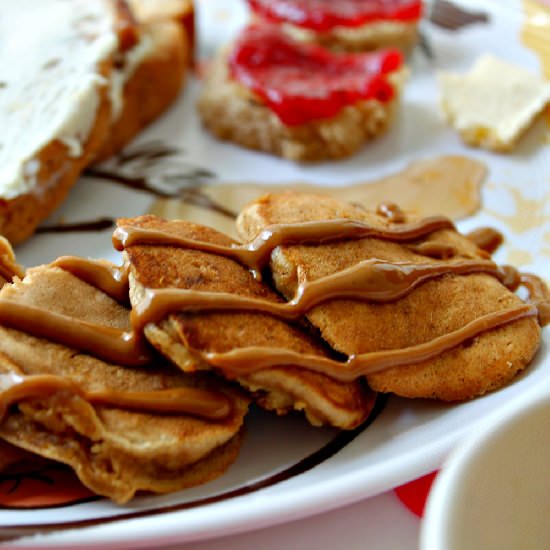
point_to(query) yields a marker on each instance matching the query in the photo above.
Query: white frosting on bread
(50, 81)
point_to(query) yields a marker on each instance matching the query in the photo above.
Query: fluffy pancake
(180, 335)
(114, 451)
(434, 308)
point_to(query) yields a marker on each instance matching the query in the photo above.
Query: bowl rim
(435, 525)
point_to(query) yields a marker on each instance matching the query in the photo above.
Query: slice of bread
(55, 110)
(93, 77)
(370, 36)
(233, 113)
(180, 11)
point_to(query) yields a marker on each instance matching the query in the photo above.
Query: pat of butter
(493, 104)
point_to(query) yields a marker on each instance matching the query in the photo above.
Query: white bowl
(494, 491)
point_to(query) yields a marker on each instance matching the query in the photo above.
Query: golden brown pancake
(323, 400)
(114, 451)
(434, 308)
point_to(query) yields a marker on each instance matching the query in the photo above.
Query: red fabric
(414, 494)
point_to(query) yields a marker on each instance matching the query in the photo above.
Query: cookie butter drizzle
(539, 294)
(105, 276)
(255, 254)
(122, 347)
(369, 280)
(486, 238)
(9, 268)
(373, 280)
(212, 405)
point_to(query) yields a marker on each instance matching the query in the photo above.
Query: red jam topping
(304, 82)
(323, 15)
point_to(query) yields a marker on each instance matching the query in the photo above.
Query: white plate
(409, 438)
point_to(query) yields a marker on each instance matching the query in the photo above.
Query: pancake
(433, 309)
(185, 337)
(114, 449)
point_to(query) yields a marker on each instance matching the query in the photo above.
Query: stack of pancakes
(232, 322)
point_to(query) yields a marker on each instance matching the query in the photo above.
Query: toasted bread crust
(234, 115)
(153, 86)
(180, 11)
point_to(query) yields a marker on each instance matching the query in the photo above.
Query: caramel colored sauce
(391, 211)
(536, 30)
(434, 249)
(511, 277)
(539, 295)
(245, 360)
(9, 268)
(255, 254)
(111, 344)
(486, 238)
(373, 280)
(538, 292)
(109, 278)
(15, 388)
(448, 185)
(516, 220)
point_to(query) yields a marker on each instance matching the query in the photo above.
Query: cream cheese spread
(50, 53)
